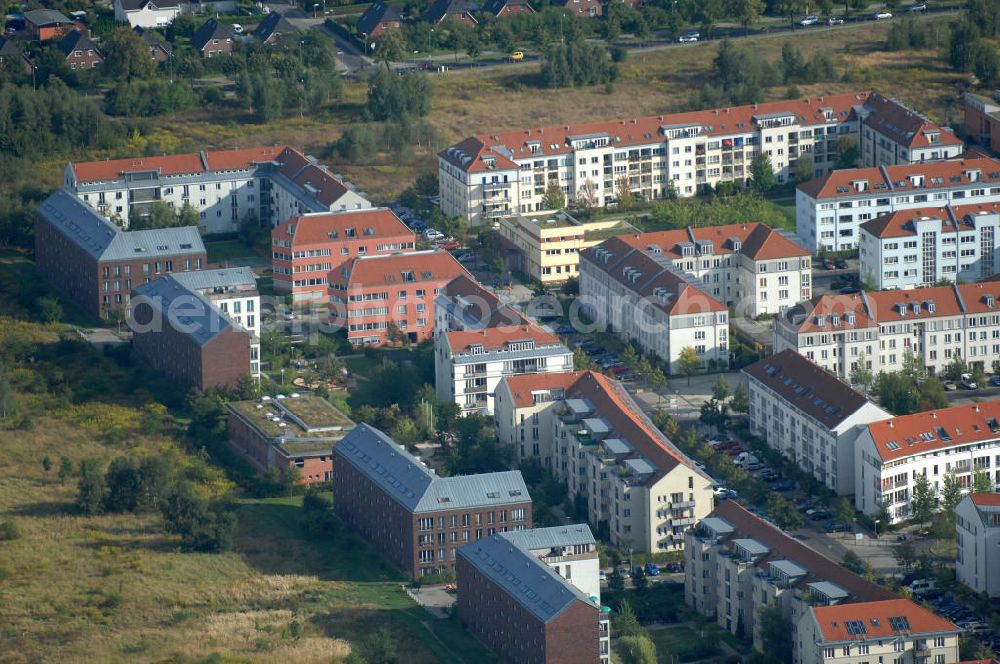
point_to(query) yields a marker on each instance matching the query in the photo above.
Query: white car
(689, 36)
(881, 16)
(237, 29)
(812, 19)
(834, 20)
(433, 234)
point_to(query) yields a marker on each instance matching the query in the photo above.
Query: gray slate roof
(550, 538)
(187, 311)
(417, 487)
(104, 241)
(42, 17)
(220, 278)
(274, 23)
(209, 30)
(529, 581)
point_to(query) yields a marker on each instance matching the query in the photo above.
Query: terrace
(296, 419)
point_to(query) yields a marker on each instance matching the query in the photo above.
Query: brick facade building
(522, 609)
(410, 515)
(79, 51)
(96, 265)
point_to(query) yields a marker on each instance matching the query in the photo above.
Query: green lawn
(231, 250)
(786, 205)
(685, 644)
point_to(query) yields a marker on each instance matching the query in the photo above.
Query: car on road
(834, 20)
(881, 16)
(651, 570)
(840, 264)
(517, 56)
(689, 36)
(811, 19)
(918, 7)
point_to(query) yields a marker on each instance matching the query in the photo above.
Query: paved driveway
(435, 599)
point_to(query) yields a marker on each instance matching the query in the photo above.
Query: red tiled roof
(759, 241)
(895, 179)
(784, 547)
(905, 126)
(875, 618)
(231, 160)
(496, 338)
(735, 120)
(807, 386)
(426, 266)
(919, 433)
(521, 386)
(986, 499)
(113, 169)
(311, 229)
(899, 223)
(764, 244)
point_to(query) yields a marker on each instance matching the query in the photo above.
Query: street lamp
(876, 528)
(315, 7)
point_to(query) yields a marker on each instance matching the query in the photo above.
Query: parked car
(967, 383)
(849, 290)
(602, 576)
(834, 20)
(826, 264)
(784, 485)
(433, 234)
(517, 56)
(237, 29)
(451, 246)
(881, 16)
(689, 36)
(651, 570)
(674, 567)
(840, 264)
(818, 515)
(995, 381)
(837, 527)
(811, 19)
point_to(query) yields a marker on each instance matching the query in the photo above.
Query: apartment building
(306, 247)
(935, 324)
(377, 298)
(749, 267)
(547, 247)
(478, 340)
(894, 135)
(233, 291)
(977, 522)
(809, 415)
(736, 564)
(178, 332)
(921, 247)
(524, 611)
(288, 432)
(499, 174)
(270, 184)
(892, 630)
(982, 119)
(633, 293)
(830, 208)
(889, 454)
(410, 515)
(594, 437)
(96, 265)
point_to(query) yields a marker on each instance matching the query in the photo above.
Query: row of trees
(577, 63)
(908, 390)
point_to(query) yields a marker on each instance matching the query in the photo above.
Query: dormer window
(931, 307)
(820, 321)
(901, 308)
(915, 307)
(860, 185)
(851, 319)
(476, 349)
(835, 320)
(990, 301)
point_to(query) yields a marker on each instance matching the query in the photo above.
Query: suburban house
(547, 247)
(589, 431)
(288, 432)
(809, 415)
(96, 264)
(378, 17)
(924, 246)
(46, 24)
(159, 48)
(178, 332)
(307, 247)
(886, 629)
(496, 174)
(410, 515)
(890, 453)
(79, 51)
(478, 340)
(830, 209)
(462, 11)
(147, 13)
(226, 187)
(935, 324)
(895, 135)
(11, 56)
(635, 294)
(982, 119)
(501, 8)
(977, 521)
(377, 297)
(581, 8)
(273, 27)
(525, 611)
(213, 39)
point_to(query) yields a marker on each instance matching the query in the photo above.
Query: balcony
(685, 521)
(681, 505)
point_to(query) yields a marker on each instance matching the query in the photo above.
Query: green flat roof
(322, 419)
(606, 233)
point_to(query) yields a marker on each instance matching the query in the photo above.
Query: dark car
(837, 527)
(784, 485)
(849, 290)
(840, 264)
(674, 567)
(826, 264)
(651, 570)
(819, 515)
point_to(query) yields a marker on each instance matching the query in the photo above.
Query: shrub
(9, 530)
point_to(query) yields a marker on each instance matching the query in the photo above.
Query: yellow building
(548, 246)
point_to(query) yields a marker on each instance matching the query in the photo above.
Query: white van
(921, 585)
(747, 461)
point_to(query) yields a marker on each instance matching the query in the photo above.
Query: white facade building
(977, 521)
(630, 292)
(147, 13)
(737, 564)
(890, 454)
(894, 135)
(935, 325)
(478, 341)
(225, 187)
(830, 208)
(914, 248)
(809, 416)
(233, 292)
(590, 432)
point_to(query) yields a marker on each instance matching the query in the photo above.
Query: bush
(9, 531)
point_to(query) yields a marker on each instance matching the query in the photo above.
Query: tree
(201, 525)
(843, 511)
(554, 198)
(65, 469)
(746, 12)
(853, 562)
(905, 554)
(981, 482)
(861, 374)
(783, 512)
(49, 310)
(90, 489)
(390, 47)
(895, 393)
(126, 56)
(954, 369)
(638, 649)
(380, 647)
(805, 168)
(586, 196)
(924, 500)
(776, 634)
(720, 391)
(623, 193)
(8, 405)
(688, 364)
(741, 399)
(616, 581)
(951, 493)
(639, 580)
(762, 172)
(46, 463)
(847, 152)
